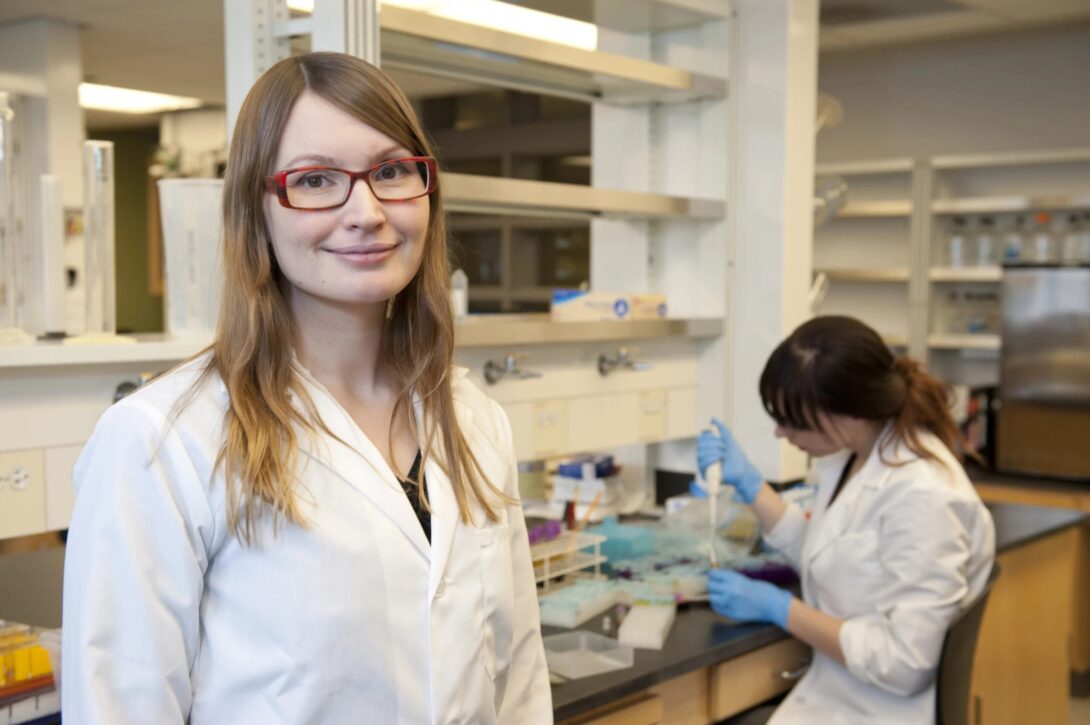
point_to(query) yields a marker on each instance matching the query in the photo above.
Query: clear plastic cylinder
(98, 238)
(8, 253)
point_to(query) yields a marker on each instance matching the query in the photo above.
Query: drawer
(749, 680)
(641, 709)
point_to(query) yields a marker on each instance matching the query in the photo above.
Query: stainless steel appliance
(1044, 418)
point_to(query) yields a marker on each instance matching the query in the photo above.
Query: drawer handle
(792, 675)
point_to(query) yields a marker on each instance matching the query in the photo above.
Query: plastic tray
(581, 654)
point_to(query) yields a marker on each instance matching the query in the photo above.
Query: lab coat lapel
(353, 457)
(835, 520)
(444, 506)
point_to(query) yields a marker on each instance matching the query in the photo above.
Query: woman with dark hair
(316, 520)
(897, 541)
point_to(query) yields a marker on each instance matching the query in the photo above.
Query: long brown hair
(839, 365)
(254, 341)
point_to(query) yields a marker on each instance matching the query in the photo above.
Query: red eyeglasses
(313, 188)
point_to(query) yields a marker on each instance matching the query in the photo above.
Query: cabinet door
(1022, 666)
(603, 421)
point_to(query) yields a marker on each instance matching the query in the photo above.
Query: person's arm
(816, 628)
(133, 578)
(527, 697)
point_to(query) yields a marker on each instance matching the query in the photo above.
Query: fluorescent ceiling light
(127, 100)
(498, 16)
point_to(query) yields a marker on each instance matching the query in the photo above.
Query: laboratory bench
(710, 668)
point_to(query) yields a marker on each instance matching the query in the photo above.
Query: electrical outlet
(22, 493)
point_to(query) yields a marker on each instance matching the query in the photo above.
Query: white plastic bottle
(459, 294)
(1041, 242)
(1071, 252)
(956, 243)
(985, 244)
(1014, 241)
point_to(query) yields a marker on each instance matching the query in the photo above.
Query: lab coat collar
(352, 456)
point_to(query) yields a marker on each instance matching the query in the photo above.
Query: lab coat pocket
(498, 593)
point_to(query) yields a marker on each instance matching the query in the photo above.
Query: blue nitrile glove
(743, 599)
(736, 469)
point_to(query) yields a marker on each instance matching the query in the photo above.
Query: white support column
(347, 26)
(257, 34)
(251, 46)
(774, 84)
(42, 68)
(41, 61)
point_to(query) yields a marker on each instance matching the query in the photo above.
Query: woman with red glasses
(317, 519)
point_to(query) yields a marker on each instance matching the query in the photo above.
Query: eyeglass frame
(278, 182)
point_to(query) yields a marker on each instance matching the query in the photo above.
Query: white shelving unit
(892, 231)
(866, 250)
(1002, 188)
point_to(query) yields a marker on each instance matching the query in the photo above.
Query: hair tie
(906, 367)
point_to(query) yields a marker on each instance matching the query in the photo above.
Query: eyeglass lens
(394, 181)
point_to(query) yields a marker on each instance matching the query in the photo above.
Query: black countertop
(1017, 525)
(700, 638)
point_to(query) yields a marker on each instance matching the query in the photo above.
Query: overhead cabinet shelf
(966, 274)
(877, 274)
(633, 16)
(495, 195)
(418, 41)
(538, 329)
(875, 209)
(1001, 204)
(964, 342)
(866, 168)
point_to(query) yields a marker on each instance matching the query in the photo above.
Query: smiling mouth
(372, 250)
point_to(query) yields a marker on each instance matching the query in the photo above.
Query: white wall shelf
(876, 209)
(495, 195)
(633, 16)
(964, 342)
(149, 348)
(867, 168)
(890, 274)
(425, 43)
(1008, 204)
(965, 274)
(1017, 158)
(537, 329)
(894, 340)
(475, 331)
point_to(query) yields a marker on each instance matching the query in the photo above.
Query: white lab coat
(902, 549)
(168, 618)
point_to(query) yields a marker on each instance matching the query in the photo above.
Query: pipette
(712, 481)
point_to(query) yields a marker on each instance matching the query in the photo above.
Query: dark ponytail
(925, 407)
(840, 366)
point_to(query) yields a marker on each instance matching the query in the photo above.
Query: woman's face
(828, 438)
(362, 253)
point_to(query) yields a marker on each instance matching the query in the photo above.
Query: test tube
(713, 479)
(52, 255)
(98, 238)
(10, 252)
(7, 216)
